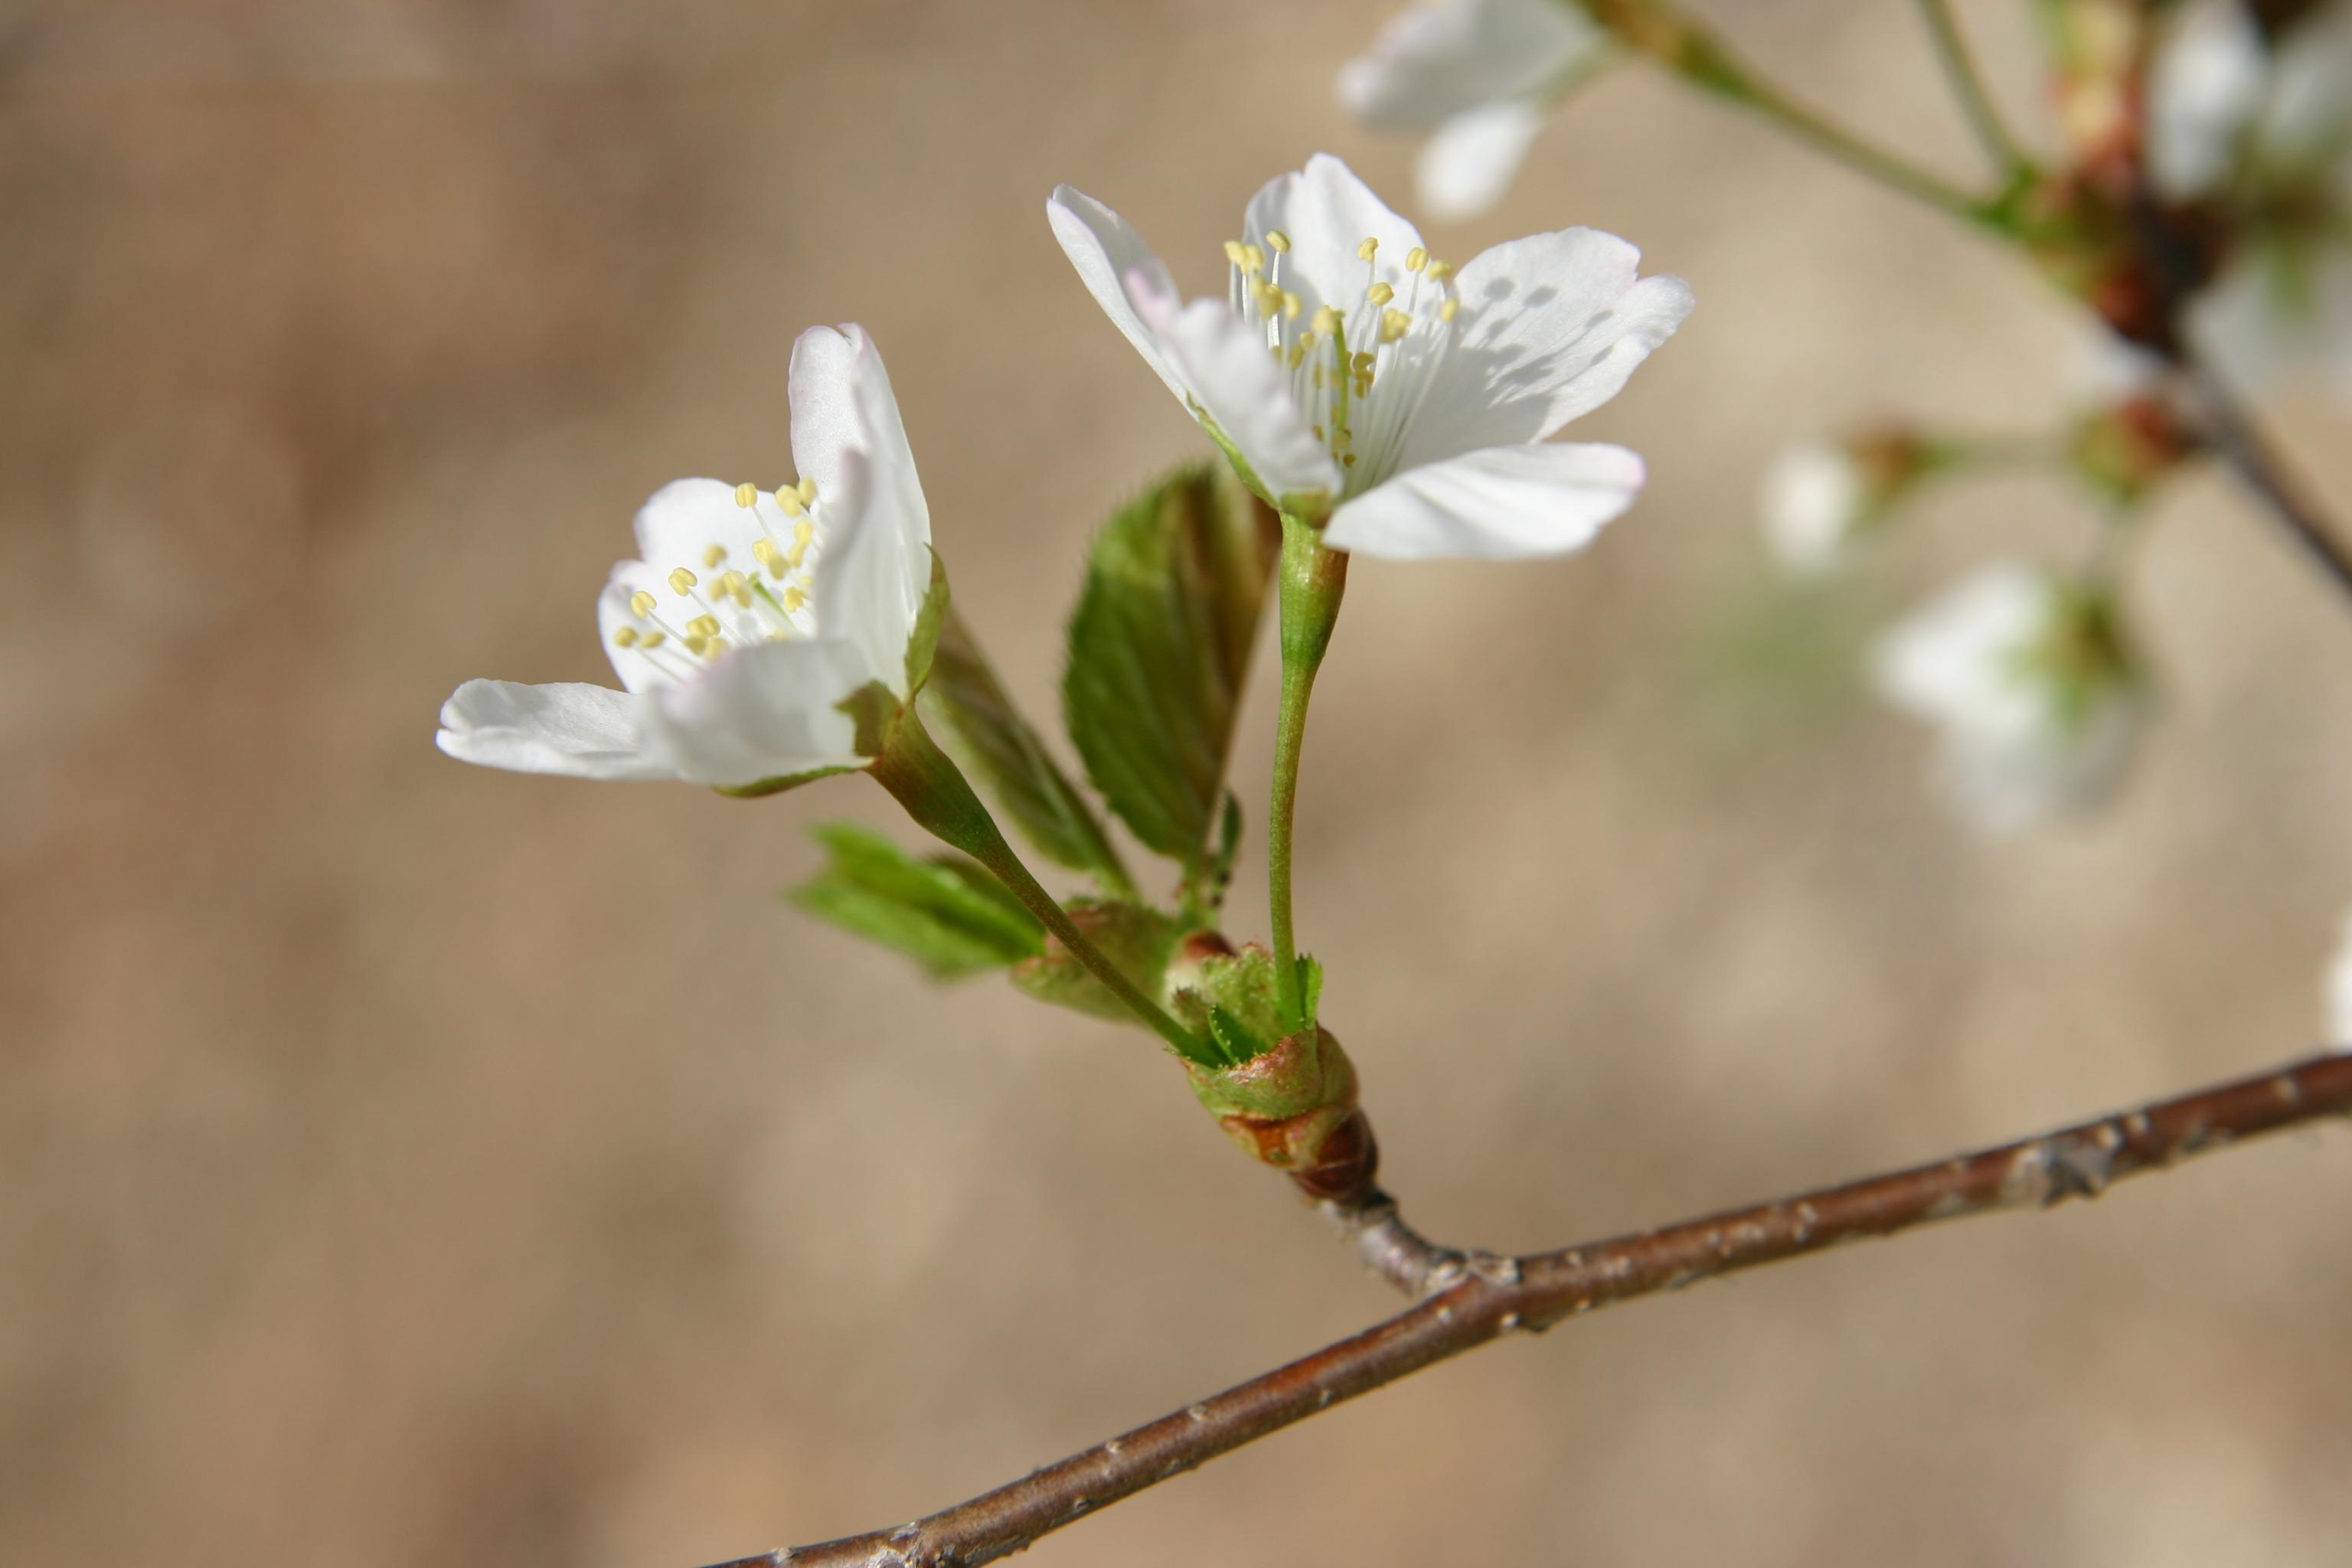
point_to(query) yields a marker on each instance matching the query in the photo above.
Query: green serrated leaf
(974, 717)
(943, 911)
(1158, 648)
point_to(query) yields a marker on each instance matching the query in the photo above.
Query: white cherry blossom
(747, 616)
(1813, 501)
(1353, 376)
(2039, 706)
(2263, 129)
(1476, 76)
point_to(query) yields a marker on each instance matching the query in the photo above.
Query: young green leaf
(943, 911)
(969, 712)
(1160, 645)
(1139, 941)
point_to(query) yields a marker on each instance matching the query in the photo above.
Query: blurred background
(405, 1163)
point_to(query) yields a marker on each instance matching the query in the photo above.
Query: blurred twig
(2233, 437)
(1479, 1297)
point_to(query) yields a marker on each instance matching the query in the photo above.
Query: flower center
(713, 605)
(1360, 371)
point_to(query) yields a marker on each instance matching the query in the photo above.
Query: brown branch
(1478, 1297)
(2233, 437)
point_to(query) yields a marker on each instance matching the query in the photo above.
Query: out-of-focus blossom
(1818, 497)
(1351, 376)
(2260, 128)
(2032, 685)
(750, 618)
(2339, 991)
(1475, 78)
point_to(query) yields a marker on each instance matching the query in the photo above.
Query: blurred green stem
(1968, 85)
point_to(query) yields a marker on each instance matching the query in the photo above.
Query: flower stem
(1313, 579)
(926, 781)
(1968, 86)
(1661, 30)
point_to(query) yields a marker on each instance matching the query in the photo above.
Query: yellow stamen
(1379, 293)
(808, 492)
(1415, 259)
(796, 596)
(1395, 324)
(627, 636)
(1438, 271)
(1448, 311)
(790, 499)
(1279, 240)
(1364, 251)
(1233, 252)
(738, 587)
(652, 640)
(801, 533)
(682, 581)
(1291, 305)
(1327, 321)
(641, 603)
(1253, 259)
(746, 494)
(698, 645)
(703, 626)
(714, 555)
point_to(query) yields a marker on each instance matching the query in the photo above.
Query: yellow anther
(682, 581)
(1379, 293)
(627, 636)
(1363, 360)
(1279, 240)
(652, 640)
(1291, 305)
(1415, 259)
(801, 533)
(718, 647)
(790, 499)
(1253, 259)
(703, 626)
(1297, 355)
(746, 494)
(1327, 321)
(1347, 459)
(1319, 431)
(1364, 251)
(1395, 324)
(1448, 311)
(738, 587)
(641, 603)
(1438, 271)
(796, 596)
(1234, 253)
(808, 492)
(698, 645)
(712, 556)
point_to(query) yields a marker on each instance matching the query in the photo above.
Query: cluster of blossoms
(1355, 381)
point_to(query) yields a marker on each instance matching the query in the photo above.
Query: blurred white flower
(749, 617)
(1348, 372)
(2261, 127)
(2339, 991)
(2037, 699)
(1475, 78)
(1818, 496)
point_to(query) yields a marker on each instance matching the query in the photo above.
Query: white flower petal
(1239, 385)
(2204, 90)
(1106, 250)
(873, 523)
(570, 727)
(1467, 162)
(1507, 503)
(1329, 213)
(1433, 62)
(2339, 991)
(759, 713)
(682, 519)
(1551, 325)
(677, 528)
(1812, 497)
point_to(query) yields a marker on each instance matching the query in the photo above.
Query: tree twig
(1478, 1297)
(2233, 436)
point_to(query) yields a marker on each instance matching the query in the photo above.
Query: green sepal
(923, 642)
(974, 717)
(1158, 649)
(778, 784)
(944, 911)
(1233, 998)
(1135, 939)
(873, 709)
(1313, 506)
